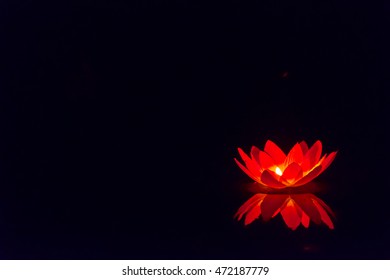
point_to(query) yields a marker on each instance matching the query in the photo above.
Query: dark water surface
(120, 123)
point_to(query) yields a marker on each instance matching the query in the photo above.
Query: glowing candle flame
(278, 171)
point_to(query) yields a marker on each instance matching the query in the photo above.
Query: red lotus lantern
(274, 169)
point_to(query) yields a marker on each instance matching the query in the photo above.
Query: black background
(120, 121)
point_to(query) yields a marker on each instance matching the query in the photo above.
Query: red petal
(276, 213)
(269, 180)
(271, 204)
(247, 172)
(290, 215)
(292, 171)
(324, 216)
(309, 177)
(305, 220)
(312, 156)
(265, 160)
(304, 147)
(306, 203)
(248, 205)
(295, 155)
(321, 161)
(328, 160)
(299, 210)
(323, 204)
(249, 163)
(255, 155)
(253, 214)
(275, 152)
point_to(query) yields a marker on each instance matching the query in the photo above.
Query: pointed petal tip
(304, 147)
(317, 142)
(250, 164)
(248, 205)
(269, 142)
(324, 215)
(290, 214)
(252, 214)
(247, 171)
(328, 160)
(294, 155)
(275, 152)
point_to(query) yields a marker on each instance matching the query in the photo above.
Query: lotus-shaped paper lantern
(295, 209)
(274, 169)
(280, 174)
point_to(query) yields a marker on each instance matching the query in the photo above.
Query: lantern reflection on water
(295, 209)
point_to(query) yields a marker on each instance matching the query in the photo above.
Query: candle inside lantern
(278, 171)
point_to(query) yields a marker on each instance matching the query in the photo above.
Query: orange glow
(295, 209)
(274, 169)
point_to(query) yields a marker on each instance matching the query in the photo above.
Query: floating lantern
(275, 170)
